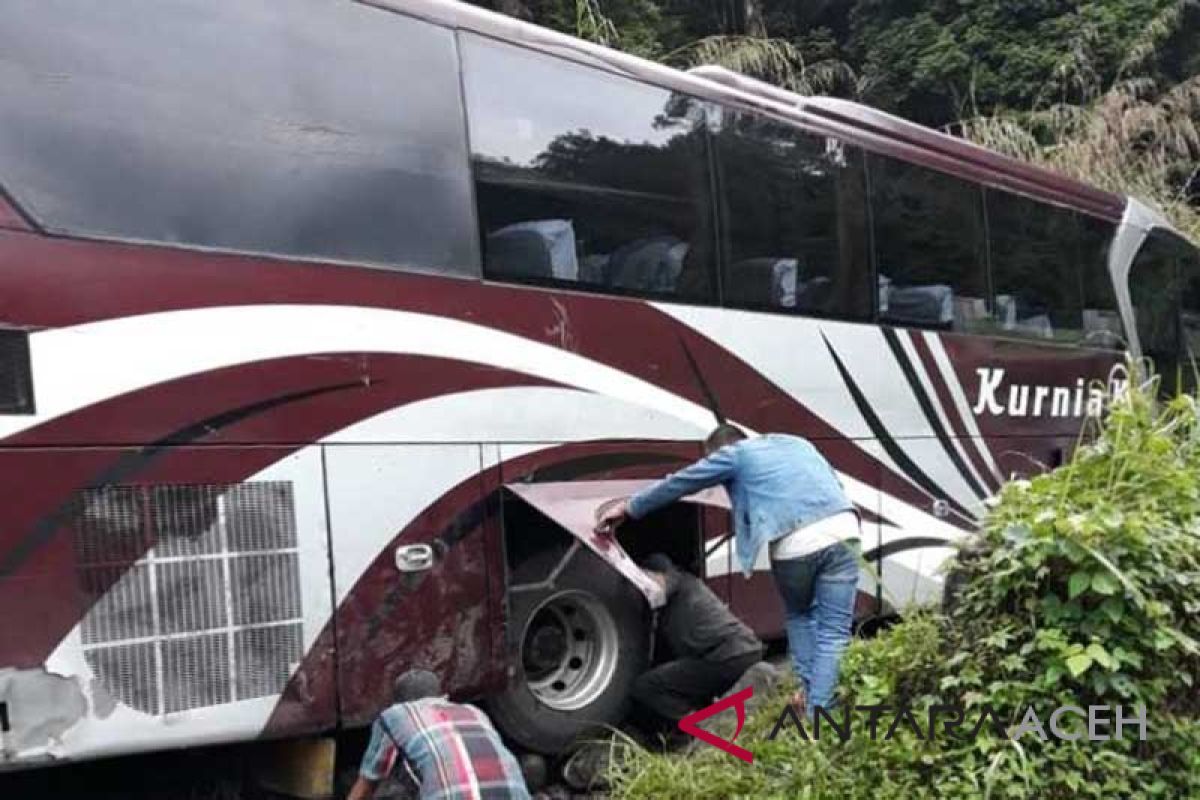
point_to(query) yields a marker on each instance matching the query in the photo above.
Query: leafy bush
(1090, 573)
(1080, 589)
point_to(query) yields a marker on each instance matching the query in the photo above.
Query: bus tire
(575, 646)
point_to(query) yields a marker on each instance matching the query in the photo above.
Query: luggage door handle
(414, 557)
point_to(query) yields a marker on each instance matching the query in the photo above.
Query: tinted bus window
(795, 233)
(1035, 268)
(1164, 284)
(929, 247)
(328, 130)
(1102, 326)
(587, 179)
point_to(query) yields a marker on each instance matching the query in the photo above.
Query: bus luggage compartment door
(412, 542)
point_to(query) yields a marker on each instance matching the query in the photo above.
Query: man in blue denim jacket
(785, 496)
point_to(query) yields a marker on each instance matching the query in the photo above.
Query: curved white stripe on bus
(788, 352)
(960, 401)
(791, 354)
(802, 369)
(964, 493)
(480, 416)
(520, 414)
(82, 365)
(909, 576)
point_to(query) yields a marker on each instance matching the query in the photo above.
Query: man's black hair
(415, 685)
(722, 435)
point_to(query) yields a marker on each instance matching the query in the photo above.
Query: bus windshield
(1165, 288)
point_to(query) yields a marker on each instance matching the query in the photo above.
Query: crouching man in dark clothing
(711, 647)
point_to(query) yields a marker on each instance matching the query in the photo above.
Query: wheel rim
(569, 650)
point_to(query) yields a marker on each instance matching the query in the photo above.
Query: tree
(939, 61)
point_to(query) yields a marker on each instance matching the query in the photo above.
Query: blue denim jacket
(776, 484)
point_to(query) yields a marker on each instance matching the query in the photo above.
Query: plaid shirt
(452, 749)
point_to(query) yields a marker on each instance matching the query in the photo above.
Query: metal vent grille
(191, 596)
(193, 592)
(196, 672)
(262, 517)
(185, 520)
(266, 588)
(16, 378)
(260, 670)
(122, 603)
(110, 526)
(129, 673)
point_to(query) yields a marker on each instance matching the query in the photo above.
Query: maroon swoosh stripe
(950, 409)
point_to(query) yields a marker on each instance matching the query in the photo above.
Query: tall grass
(1133, 139)
(1139, 135)
(774, 60)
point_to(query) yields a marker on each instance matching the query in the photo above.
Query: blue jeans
(818, 592)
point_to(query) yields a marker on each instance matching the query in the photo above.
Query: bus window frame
(703, 129)
(721, 212)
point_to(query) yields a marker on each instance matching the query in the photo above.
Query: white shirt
(809, 539)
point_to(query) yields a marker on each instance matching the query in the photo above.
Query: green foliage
(1091, 571)
(932, 62)
(902, 664)
(773, 60)
(936, 61)
(1134, 139)
(593, 25)
(1079, 589)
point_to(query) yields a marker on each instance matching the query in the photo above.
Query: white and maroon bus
(327, 324)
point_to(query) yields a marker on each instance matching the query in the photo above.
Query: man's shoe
(587, 768)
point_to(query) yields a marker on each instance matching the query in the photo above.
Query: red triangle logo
(738, 701)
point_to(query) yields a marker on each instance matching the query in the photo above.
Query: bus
(326, 325)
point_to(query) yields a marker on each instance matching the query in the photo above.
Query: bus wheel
(578, 639)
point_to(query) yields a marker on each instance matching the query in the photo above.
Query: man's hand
(363, 789)
(610, 514)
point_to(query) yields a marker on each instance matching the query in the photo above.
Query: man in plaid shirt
(451, 750)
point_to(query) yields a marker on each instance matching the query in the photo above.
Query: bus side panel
(158, 598)
(384, 498)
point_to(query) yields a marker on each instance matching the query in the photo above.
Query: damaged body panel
(39, 707)
(186, 597)
(572, 505)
